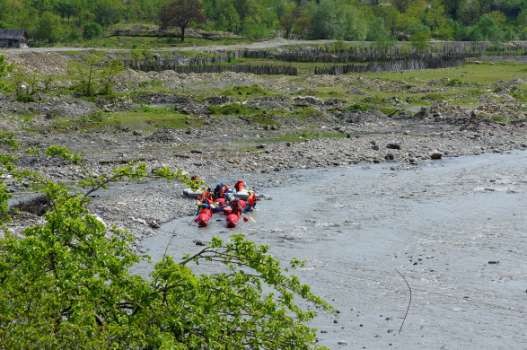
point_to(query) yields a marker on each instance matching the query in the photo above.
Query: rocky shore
(218, 153)
(276, 126)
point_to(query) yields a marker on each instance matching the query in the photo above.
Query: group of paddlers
(233, 202)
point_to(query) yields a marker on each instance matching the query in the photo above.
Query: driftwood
(36, 203)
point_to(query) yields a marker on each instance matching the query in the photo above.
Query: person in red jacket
(237, 207)
(204, 215)
(206, 197)
(251, 202)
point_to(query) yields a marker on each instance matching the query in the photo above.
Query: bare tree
(180, 13)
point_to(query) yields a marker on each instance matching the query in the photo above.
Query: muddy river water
(456, 229)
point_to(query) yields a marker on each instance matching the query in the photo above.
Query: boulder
(436, 155)
(393, 145)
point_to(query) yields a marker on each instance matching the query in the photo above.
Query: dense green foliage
(72, 20)
(57, 151)
(66, 283)
(4, 71)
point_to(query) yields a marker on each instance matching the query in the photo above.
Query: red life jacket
(252, 200)
(206, 197)
(238, 205)
(227, 210)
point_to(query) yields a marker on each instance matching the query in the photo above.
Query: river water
(455, 229)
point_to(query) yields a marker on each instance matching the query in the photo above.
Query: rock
(342, 342)
(493, 262)
(198, 243)
(163, 135)
(436, 155)
(139, 221)
(375, 147)
(217, 100)
(37, 204)
(393, 145)
(422, 113)
(305, 101)
(260, 147)
(389, 156)
(153, 223)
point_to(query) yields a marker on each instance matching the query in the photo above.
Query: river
(455, 229)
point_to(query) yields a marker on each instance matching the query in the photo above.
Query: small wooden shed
(13, 38)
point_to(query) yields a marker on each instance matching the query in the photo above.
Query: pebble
(393, 145)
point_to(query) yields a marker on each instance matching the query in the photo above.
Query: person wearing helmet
(240, 185)
(204, 214)
(251, 202)
(206, 196)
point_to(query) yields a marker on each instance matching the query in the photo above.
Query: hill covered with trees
(49, 21)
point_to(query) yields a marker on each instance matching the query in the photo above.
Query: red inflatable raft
(204, 216)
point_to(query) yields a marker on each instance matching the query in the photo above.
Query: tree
(224, 15)
(94, 75)
(92, 30)
(323, 20)
(288, 14)
(49, 28)
(180, 13)
(66, 283)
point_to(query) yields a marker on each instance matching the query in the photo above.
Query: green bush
(5, 68)
(56, 151)
(358, 107)
(8, 139)
(520, 93)
(246, 91)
